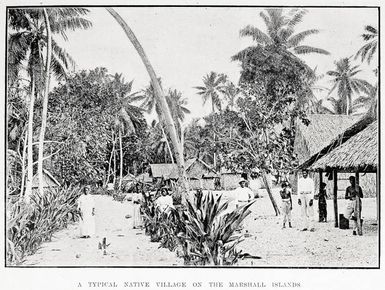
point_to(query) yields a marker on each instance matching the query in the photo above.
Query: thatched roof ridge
(48, 180)
(323, 128)
(166, 170)
(338, 140)
(360, 152)
(170, 170)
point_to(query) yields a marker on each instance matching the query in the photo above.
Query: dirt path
(326, 247)
(128, 247)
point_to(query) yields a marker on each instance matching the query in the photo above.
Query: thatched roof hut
(360, 153)
(195, 168)
(321, 131)
(48, 180)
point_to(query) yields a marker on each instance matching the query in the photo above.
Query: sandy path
(128, 247)
(326, 247)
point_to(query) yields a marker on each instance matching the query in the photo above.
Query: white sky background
(184, 44)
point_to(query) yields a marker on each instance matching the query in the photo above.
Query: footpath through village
(289, 247)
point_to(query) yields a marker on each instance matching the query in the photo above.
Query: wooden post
(320, 179)
(358, 208)
(335, 193)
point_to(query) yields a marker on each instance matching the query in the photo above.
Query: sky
(184, 44)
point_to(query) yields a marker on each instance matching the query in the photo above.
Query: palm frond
(296, 39)
(304, 49)
(256, 34)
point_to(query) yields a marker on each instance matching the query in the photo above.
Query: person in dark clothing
(322, 206)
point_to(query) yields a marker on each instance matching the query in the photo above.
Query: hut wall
(208, 183)
(194, 184)
(230, 181)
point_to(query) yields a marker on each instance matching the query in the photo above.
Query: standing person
(255, 183)
(86, 205)
(305, 200)
(137, 217)
(242, 196)
(322, 205)
(287, 204)
(354, 205)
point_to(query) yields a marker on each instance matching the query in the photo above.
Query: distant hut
(199, 174)
(230, 178)
(49, 182)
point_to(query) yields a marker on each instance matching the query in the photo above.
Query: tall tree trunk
(215, 156)
(121, 159)
(23, 168)
(161, 99)
(270, 193)
(348, 102)
(28, 187)
(114, 169)
(168, 145)
(45, 102)
(110, 161)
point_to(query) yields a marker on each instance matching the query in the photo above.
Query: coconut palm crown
(280, 32)
(346, 84)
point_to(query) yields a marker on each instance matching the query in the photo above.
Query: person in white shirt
(305, 200)
(164, 202)
(243, 195)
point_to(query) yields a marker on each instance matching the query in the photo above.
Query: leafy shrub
(29, 225)
(203, 233)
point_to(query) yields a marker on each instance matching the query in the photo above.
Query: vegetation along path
(128, 247)
(327, 246)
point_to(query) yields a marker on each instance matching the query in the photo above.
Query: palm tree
(280, 33)
(346, 84)
(160, 96)
(128, 115)
(26, 43)
(368, 102)
(213, 87)
(231, 93)
(370, 36)
(177, 104)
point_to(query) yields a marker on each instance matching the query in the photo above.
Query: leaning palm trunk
(270, 193)
(28, 187)
(161, 100)
(168, 145)
(45, 102)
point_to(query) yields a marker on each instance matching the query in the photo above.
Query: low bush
(203, 233)
(29, 225)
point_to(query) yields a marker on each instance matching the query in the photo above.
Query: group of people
(241, 196)
(306, 195)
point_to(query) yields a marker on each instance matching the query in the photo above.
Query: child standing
(286, 203)
(322, 206)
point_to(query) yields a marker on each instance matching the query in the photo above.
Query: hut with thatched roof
(49, 182)
(199, 173)
(319, 133)
(359, 153)
(323, 128)
(347, 152)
